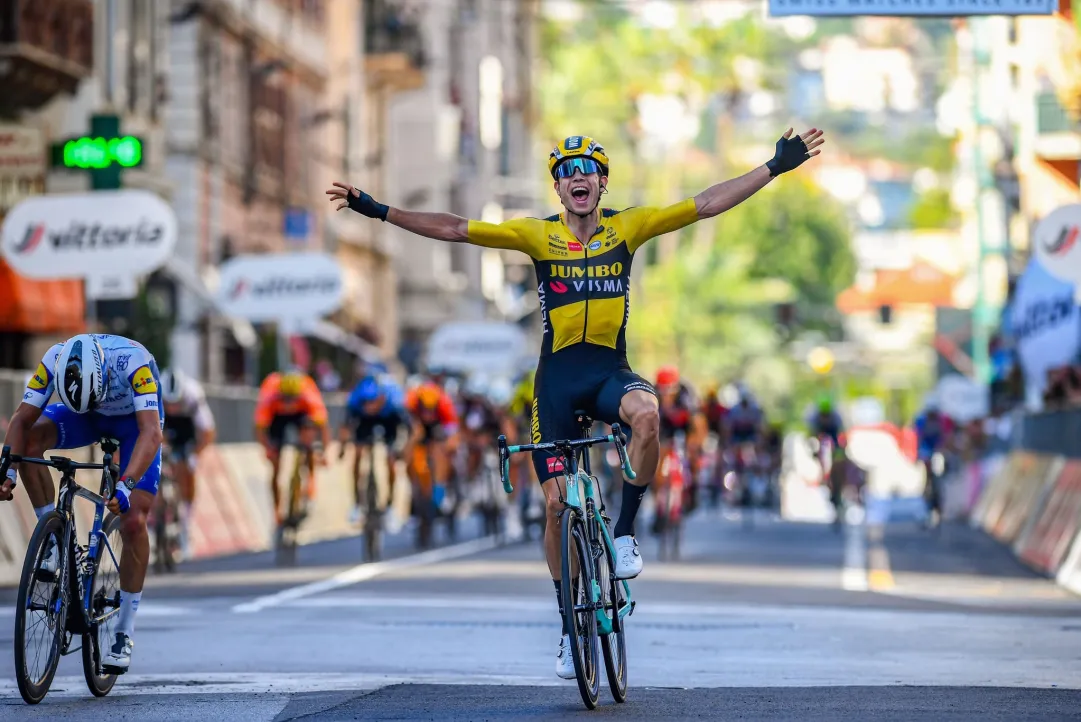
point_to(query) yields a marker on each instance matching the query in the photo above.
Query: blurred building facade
(64, 62)
(261, 119)
(454, 92)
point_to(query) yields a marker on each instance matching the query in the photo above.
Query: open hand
(794, 152)
(340, 194)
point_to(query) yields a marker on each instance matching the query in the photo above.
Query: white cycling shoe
(51, 559)
(564, 661)
(628, 558)
(119, 655)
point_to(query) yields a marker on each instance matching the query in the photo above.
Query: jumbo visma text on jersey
(584, 286)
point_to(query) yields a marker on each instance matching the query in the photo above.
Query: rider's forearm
(721, 197)
(204, 439)
(142, 456)
(440, 226)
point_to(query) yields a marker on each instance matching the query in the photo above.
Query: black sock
(559, 603)
(632, 499)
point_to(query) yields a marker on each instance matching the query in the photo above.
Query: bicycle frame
(97, 540)
(581, 495)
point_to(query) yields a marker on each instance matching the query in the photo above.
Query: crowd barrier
(232, 511)
(1031, 501)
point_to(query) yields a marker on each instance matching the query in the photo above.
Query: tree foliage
(710, 305)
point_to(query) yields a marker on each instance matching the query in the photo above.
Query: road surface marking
(878, 561)
(271, 683)
(364, 572)
(854, 575)
(145, 610)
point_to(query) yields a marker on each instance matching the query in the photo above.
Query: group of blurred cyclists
(441, 425)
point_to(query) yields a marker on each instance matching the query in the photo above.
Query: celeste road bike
(68, 589)
(594, 602)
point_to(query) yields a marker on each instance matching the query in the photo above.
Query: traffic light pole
(981, 311)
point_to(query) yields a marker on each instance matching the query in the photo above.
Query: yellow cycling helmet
(578, 146)
(292, 384)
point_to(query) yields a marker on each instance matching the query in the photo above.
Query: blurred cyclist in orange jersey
(290, 399)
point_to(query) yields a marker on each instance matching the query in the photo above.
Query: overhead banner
(495, 348)
(295, 287)
(90, 235)
(1055, 243)
(1045, 323)
(943, 8)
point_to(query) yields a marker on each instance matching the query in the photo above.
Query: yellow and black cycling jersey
(584, 288)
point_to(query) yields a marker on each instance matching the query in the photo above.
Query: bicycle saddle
(584, 419)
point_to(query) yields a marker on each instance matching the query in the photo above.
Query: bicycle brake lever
(504, 464)
(620, 439)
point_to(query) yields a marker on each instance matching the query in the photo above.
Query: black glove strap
(365, 205)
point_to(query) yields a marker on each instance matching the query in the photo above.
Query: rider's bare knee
(646, 422)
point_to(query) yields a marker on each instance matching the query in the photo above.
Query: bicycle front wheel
(104, 608)
(40, 611)
(578, 611)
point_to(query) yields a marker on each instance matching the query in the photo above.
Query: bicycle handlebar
(616, 437)
(60, 463)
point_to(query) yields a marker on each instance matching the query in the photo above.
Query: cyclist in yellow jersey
(583, 262)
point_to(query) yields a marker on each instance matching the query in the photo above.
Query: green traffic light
(99, 153)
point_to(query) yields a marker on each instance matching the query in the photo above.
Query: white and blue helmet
(80, 373)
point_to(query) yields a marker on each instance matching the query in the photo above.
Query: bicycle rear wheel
(40, 612)
(614, 645)
(104, 609)
(577, 574)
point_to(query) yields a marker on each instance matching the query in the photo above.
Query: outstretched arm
(440, 226)
(717, 199)
(512, 235)
(721, 197)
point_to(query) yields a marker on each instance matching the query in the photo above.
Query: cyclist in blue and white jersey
(108, 387)
(377, 401)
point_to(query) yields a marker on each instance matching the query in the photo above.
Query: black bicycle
(373, 514)
(68, 589)
(165, 516)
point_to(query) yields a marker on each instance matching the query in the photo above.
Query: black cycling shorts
(366, 426)
(179, 431)
(279, 424)
(591, 378)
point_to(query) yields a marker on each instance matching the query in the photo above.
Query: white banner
(496, 348)
(1045, 321)
(293, 287)
(1055, 242)
(963, 399)
(105, 233)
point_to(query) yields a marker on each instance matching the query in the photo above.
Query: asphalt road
(782, 621)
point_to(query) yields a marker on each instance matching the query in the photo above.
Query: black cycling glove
(791, 153)
(365, 205)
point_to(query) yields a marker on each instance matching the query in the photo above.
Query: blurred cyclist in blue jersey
(376, 402)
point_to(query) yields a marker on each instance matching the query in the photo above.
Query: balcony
(46, 48)
(1058, 132)
(394, 44)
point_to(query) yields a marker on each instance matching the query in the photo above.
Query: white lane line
(271, 683)
(364, 572)
(854, 574)
(145, 610)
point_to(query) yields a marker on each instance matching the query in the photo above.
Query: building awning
(35, 306)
